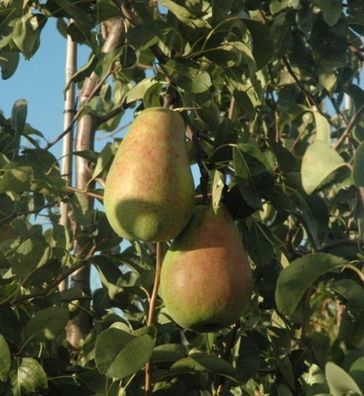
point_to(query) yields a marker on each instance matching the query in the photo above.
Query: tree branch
(354, 119)
(53, 285)
(69, 109)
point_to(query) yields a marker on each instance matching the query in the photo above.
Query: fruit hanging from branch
(149, 191)
(206, 280)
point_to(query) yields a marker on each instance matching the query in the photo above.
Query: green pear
(149, 190)
(206, 279)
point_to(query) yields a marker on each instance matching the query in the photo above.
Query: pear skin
(206, 280)
(149, 190)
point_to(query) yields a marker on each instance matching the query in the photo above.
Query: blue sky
(40, 81)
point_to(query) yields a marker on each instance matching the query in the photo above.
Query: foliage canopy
(264, 87)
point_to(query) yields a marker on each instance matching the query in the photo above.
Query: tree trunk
(79, 326)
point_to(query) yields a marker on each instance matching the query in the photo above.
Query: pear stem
(153, 298)
(151, 314)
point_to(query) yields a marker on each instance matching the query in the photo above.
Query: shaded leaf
(168, 353)
(200, 362)
(47, 324)
(331, 10)
(9, 60)
(119, 354)
(357, 372)
(351, 291)
(294, 280)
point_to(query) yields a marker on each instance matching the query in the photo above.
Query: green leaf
(339, 381)
(138, 92)
(119, 354)
(26, 33)
(31, 376)
(253, 173)
(358, 167)
(183, 14)
(318, 164)
(9, 60)
(200, 362)
(283, 390)
(81, 18)
(188, 76)
(294, 280)
(248, 356)
(322, 127)
(245, 51)
(331, 10)
(247, 187)
(351, 291)
(5, 359)
(328, 80)
(16, 178)
(83, 71)
(47, 324)
(263, 46)
(168, 353)
(285, 367)
(32, 253)
(19, 115)
(152, 96)
(357, 371)
(279, 5)
(104, 160)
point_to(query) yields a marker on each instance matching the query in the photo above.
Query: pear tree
(263, 103)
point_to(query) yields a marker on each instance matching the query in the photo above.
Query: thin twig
(81, 109)
(30, 212)
(151, 315)
(88, 193)
(354, 119)
(227, 353)
(232, 108)
(341, 115)
(153, 298)
(311, 98)
(53, 285)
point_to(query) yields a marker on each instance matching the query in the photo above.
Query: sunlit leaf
(340, 382)
(319, 162)
(31, 376)
(5, 359)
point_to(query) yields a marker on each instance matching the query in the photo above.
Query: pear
(206, 280)
(149, 190)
